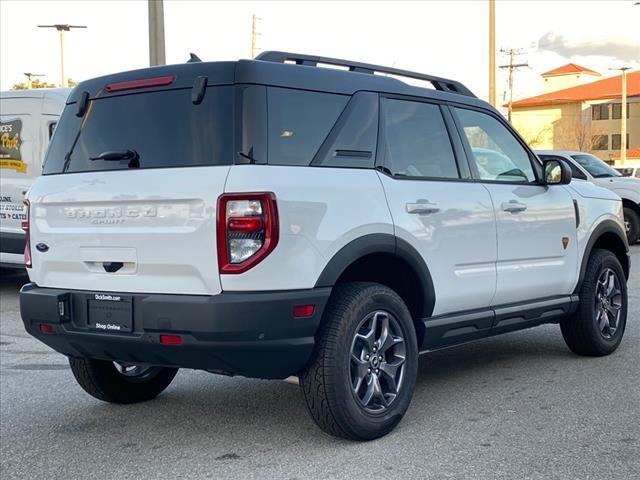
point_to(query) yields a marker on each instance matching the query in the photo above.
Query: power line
(512, 52)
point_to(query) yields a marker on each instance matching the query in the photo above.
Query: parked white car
(633, 172)
(334, 232)
(27, 121)
(585, 166)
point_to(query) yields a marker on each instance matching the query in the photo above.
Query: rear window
(162, 129)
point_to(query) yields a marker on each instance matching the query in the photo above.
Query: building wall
(570, 127)
(611, 126)
(559, 82)
(555, 127)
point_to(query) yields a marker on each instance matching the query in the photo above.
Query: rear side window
(416, 140)
(299, 121)
(163, 129)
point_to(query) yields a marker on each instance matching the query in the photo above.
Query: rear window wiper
(118, 156)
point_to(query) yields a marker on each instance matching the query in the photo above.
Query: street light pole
(61, 28)
(492, 52)
(623, 116)
(156, 33)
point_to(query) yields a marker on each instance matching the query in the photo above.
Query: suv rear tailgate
(158, 223)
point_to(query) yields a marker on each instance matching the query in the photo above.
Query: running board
(456, 328)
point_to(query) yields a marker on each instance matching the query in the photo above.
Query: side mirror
(556, 172)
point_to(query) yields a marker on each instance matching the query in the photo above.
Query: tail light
(27, 235)
(247, 230)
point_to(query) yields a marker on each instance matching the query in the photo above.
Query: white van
(27, 121)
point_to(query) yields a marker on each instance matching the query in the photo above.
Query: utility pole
(512, 66)
(492, 52)
(623, 116)
(61, 28)
(254, 35)
(29, 76)
(156, 33)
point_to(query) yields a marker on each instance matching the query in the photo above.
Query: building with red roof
(582, 116)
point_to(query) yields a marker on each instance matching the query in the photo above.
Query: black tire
(102, 380)
(581, 331)
(632, 224)
(327, 381)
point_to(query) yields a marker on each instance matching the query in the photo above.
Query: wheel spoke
(611, 283)
(360, 372)
(368, 339)
(600, 318)
(390, 370)
(368, 395)
(377, 389)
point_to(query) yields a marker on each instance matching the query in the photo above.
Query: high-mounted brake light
(27, 235)
(142, 83)
(248, 230)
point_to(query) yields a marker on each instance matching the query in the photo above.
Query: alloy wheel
(608, 302)
(378, 354)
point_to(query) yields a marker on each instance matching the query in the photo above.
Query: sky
(448, 39)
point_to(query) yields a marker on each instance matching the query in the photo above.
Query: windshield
(596, 167)
(144, 130)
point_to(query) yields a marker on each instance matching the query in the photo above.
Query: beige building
(583, 116)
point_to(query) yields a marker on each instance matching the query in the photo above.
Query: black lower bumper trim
(249, 334)
(12, 243)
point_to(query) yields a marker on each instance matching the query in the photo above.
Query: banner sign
(10, 143)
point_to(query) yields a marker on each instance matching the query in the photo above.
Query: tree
(538, 138)
(35, 83)
(71, 82)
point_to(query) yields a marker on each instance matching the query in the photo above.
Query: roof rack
(439, 83)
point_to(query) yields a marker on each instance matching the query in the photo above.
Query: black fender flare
(380, 243)
(607, 226)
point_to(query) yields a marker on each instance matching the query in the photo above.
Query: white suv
(271, 217)
(585, 166)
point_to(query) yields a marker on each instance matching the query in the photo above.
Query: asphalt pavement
(519, 406)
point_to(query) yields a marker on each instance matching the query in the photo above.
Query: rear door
(537, 246)
(127, 202)
(435, 205)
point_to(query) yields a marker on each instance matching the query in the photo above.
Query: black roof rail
(439, 83)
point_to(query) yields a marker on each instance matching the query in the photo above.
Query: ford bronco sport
(273, 218)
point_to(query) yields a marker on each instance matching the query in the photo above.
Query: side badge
(42, 247)
(565, 242)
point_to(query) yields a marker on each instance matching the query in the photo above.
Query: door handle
(422, 208)
(513, 206)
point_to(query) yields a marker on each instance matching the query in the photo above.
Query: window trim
(536, 166)
(464, 175)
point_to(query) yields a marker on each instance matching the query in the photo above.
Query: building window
(600, 112)
(616, 138)
(616, 111)
(600, 142)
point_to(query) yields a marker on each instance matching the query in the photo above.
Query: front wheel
(631, 225)
(361, 378)
(598, 325)
(115, 382)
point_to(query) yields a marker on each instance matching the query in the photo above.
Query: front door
(536, 224)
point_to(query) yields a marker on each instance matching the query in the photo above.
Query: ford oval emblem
(42, 247)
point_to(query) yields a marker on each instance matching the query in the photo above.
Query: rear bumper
(249, 334)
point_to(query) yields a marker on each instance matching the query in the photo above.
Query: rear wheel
(598, 325)
(115, 382)
(632, 225)
(361, 378)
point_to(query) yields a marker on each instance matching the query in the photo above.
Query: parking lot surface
(519, 406)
